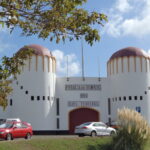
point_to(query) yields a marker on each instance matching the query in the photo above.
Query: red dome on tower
(38, 50)
(129, 51)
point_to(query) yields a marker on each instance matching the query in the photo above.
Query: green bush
(133, 133)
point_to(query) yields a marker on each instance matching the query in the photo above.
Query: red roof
(129, 51)
(39, 50)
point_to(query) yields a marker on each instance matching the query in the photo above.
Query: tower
(33, 94)
(128, 72)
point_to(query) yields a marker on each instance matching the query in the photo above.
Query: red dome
(39, 50)
(129, 51)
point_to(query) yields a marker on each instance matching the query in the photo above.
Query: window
(141, 97)
(138, 109)
(113, 99)
(145, 92)
(57, 106)
(135, 97)
(130, 97)
(57, 123)
(124, 98)
(99, 125)
(24, 126)
(116, 98)
(38, 98)
(32, 98)
(21, 87)
(17, 82)
(119, 98)
(17, 125)
(48, 98)
(109, 120)
(43, 97)
(87, 123)
(11, 102)
(109, 106)
(26, 92)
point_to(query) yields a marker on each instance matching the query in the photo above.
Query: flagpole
(98, 69)
(67, 70)
(82, 59)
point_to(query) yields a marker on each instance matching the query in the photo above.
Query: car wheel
(112, 133)
(28, 136)
(93, 134)
(9, 137)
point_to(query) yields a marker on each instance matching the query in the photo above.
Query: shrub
(133, 133)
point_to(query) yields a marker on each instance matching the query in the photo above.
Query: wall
(130, 78)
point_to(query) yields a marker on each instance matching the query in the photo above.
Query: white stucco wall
(38, 78)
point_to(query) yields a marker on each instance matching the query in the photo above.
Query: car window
(2, 121)
(99, 125)
(87, 123)
(18, 125)
(103, 125)
(24, 126)
(6, 125)
(96, 124)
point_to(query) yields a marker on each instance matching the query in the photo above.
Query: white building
(54, 105)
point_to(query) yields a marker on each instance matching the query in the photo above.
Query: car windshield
(6, 125)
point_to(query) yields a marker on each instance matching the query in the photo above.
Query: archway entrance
(81, 115)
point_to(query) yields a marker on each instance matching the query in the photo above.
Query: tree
(54, 19)
(10, 67)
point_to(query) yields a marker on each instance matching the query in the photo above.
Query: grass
(49, 143)
(86, 143)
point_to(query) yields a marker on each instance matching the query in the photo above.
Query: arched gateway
(81, 115)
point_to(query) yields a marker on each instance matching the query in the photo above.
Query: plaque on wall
(83, 103)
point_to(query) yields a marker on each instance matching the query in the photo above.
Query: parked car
(9, 119)
(94, 129)
(14, 129)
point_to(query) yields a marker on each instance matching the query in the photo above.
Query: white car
(13, 119)
(94, 129)
(9, 119)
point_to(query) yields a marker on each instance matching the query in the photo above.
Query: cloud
(61, 59)
(148, 51)
(129, 18)
(123, 5)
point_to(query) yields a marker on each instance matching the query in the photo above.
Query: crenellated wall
(34, 92)
(128, 65)
(129, 79)
(46, 101)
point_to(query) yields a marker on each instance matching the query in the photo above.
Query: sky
(128, 25)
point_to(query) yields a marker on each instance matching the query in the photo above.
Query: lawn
(86, 143)
(49, 143)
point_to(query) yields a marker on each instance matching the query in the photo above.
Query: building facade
(55, 105)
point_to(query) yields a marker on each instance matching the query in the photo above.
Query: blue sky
(128, 25)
